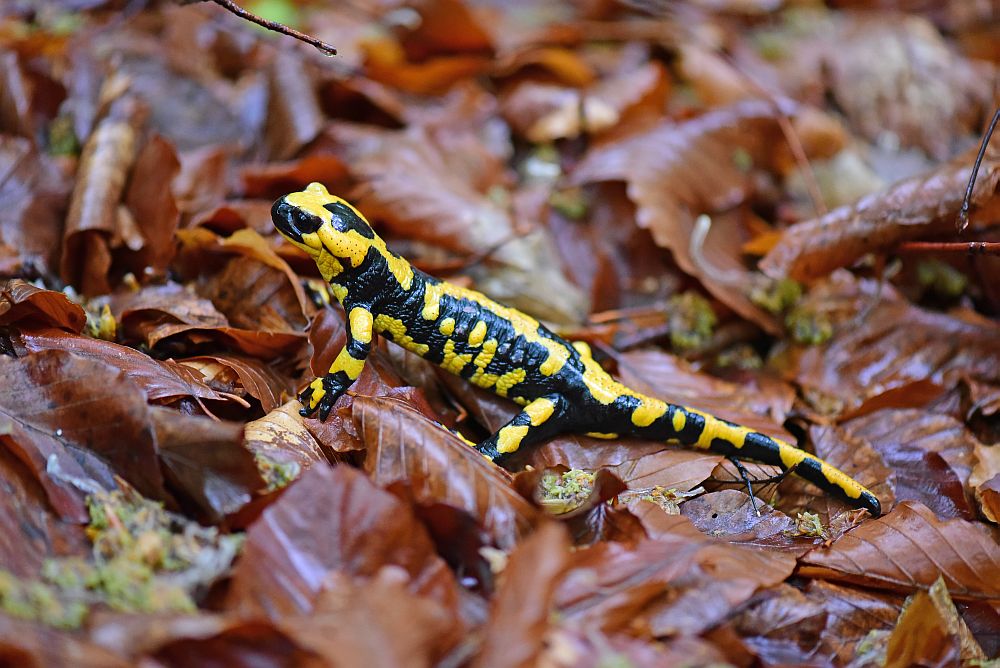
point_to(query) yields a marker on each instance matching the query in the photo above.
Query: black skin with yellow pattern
(559, 385)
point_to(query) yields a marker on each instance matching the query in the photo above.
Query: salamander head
(320, 223)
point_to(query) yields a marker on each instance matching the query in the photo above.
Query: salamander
(558, 384)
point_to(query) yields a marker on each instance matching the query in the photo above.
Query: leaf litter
(164, 502)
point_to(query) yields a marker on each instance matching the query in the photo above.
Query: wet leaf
(205, 463)
(30, 644)
(404, 446)
(34, 532)
(159, 381)
(24, 304)
(282, 438)
(729, 516)
(882, 342)
(523, 605)
(930, 632)
(699, 160)
(915, 208)
(784, 628)
(332, 520)
(618, 587)
(852, 614)
(94, 422)
(908, 549)
(34, 195)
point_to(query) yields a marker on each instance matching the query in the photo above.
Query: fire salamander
(560, 386)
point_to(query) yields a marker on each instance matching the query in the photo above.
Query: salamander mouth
(292, 221)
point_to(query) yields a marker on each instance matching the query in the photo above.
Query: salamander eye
(292, 221)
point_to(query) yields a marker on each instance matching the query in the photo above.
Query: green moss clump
(561, 493)
(692, 322)
(808, 327)
(143, 559)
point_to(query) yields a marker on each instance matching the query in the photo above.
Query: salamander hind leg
(539, 420)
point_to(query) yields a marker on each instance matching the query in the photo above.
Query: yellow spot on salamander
(583, 348)
(329, 266)
(477, 334)
(509, 380)
(447, 326)
(396, 329)
(540, 410)
(339, 291)
(648, 411)
(454, 362)
(790, 456)
(361, 324)
(679, 420)
(601, 434)
(432, 301)
(480, 378)
(318, 392)
(348, 364)
(509, 438)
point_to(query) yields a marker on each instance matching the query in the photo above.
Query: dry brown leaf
(236, 372)
(405, 446)
(881, 342)
(26, 305)
(931, 633)
(915, 208)
(95, 424)
(34, 195)
(94, 223)
(676, 171)
(908, 549)
(166, 380)
(522, 607)
(332, 520)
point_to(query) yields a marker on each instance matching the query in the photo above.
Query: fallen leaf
(205, 463)
(332, 520)
(930, 633)
(95, 423)
(880, 342)
(160, 381)
(916, 208)
(783, 628)
(908, 549)
(618, 587)
(281, 437)
(698, 158)
(851, 615)
(522, 608)
(261, 381)
(34, 532)
(94, 224)
(405, 446)
(729, 516)
(29, 644)
(379, 622)
(34, 195)
(25, 305)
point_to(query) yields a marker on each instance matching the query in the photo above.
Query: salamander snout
(292, 221)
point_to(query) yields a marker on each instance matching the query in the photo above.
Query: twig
(231, 6)
(963, 214)
(968, 247)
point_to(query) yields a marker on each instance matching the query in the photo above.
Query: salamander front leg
(323, 392)
(539, 420)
